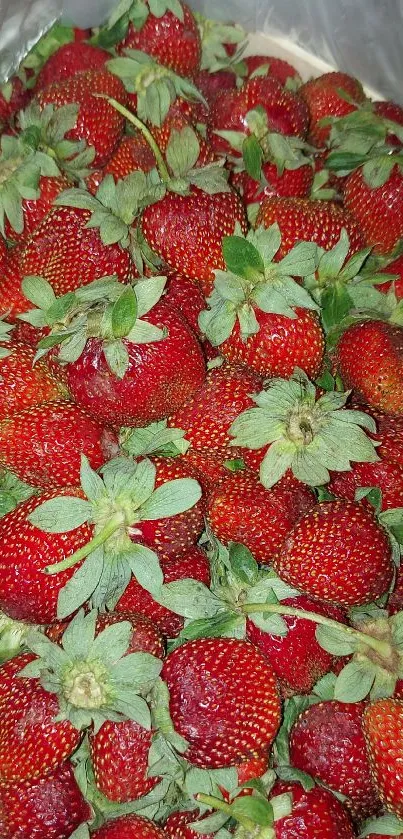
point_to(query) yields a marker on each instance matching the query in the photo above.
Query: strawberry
(380, 385)
(28, 709)
(324, 97)
(145, 636)
(131, 155)
(297, 658)
(129, 827)
(211, 84)
(242, 510)
(68, 60)
(97, 123)
(192, 564)
(13, 96)
(304, 219)
(34, 210)
(179, 826)
(207, 417)
(289, 183)
(47, 808)
(24, 385)
(199, 219)
(185, 295)
(382, 724)
(337, 552)
(223, 700)
(119, 753)
(390, 111)
(393, 267)
(327, 742)
(171, 37)
(26, 593)
(386, 475)
(376, 202)
(282, 70)
(161, 375)
(43, 444)
(263, 303)
(286, 111)
(316, 814)
(215, 465)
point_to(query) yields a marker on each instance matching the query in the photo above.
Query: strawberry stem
(217, 804)
(113, 525)
(161, 165)
(380, 647)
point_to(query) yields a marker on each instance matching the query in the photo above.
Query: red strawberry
(277, 67)
(215, 465)
(43, 444)
(316, 814)
(119, 753)
(394, 267)
(185, 295)
(297, 658)
(378, 210)
(307, 220)
(338, 552)
(208, 416)
(379, 385)
(26, 593)
(390, 437)
(391, 111)
(186, 231)
(382, 723)
(129, 827)
(98, 122)
(132, 154)
(192, 564)
(13, 96)
(68, 60)
(172, 41)
(32, 743)
(48, 808)
(286, 111)
(211, 84)
(145, 637)
(24, 385)
(242, 510)
(67, 253)
(179, 826)
(289, 183)
(223, 700)
(327, 742)
(160, 377)
(324, 99)
(384, 474)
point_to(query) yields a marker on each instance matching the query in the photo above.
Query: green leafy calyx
(305, 433)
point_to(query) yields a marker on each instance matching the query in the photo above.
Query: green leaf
(124, 313)
(241, 257)
(243, 565)
(336, 304)
(290, 773)
(117, 357)
(145, 333)
(301, 260)
(61, 514)
(38, 291)
(148, 292)
(354, 682)
(252, 156)
(188, 598)
(275, 464)
(388, 825)
(336, 641)
(81, 585)
(182, 151)
(145, 566)
(93, 486)
(136, 670)
(256, 809)
(170, 499)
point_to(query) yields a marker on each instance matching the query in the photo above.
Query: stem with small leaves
(113, 525)
(380, 647)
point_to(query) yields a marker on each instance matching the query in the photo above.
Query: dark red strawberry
(48, 808)
(192, 564)
(394, 267)
(223, 700)
(384, 474)
(185, 295)
(68, 60)
(297, 658)
(379, 385)
(378, 209)
(173, 41)
(26, 593)
(132, 154)
(338, 552)
(328, 743)
(215, 465)
(98, 122)
(129, 827)
(179, 826)
(316, 814)
(242, 510)
(32, 743)
(13, 96)
(289, 183)
(324, 97)
(35, 209)
(24, 385)
(43, 444)
(279, 68)
(119, 753)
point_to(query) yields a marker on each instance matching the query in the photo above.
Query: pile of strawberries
(201, 441)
